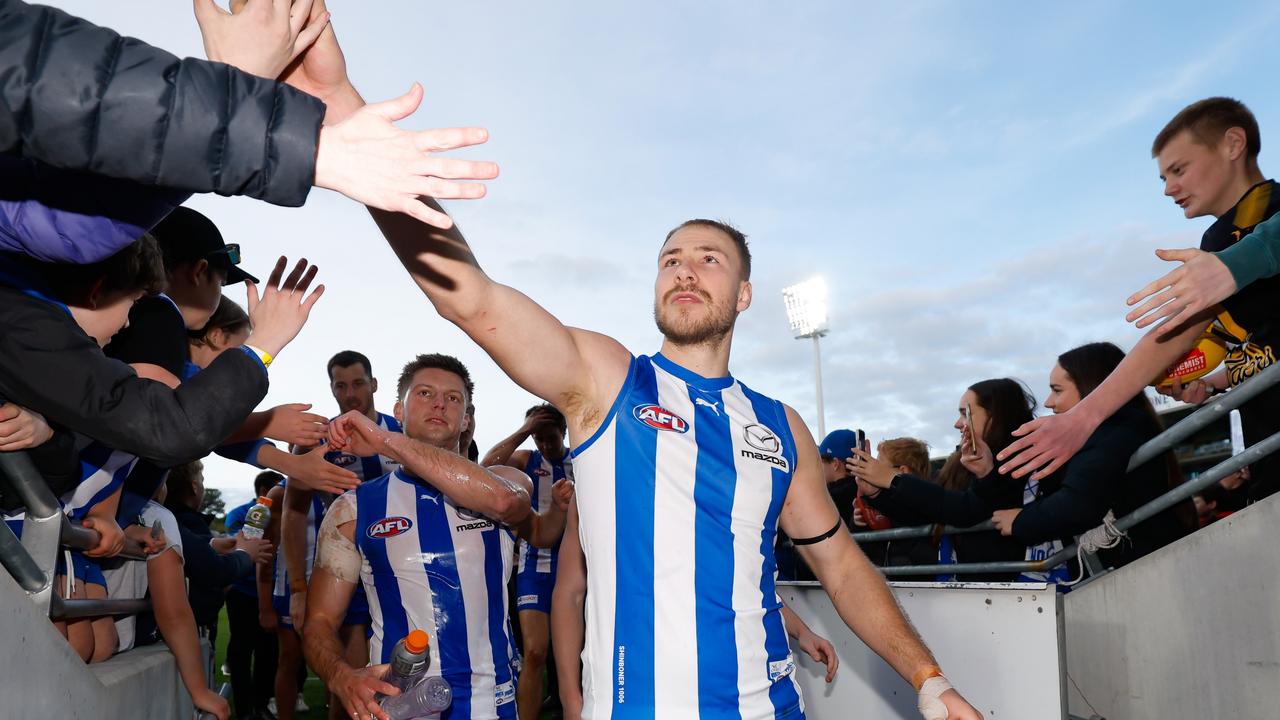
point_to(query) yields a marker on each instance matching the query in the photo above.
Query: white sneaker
(301, 705)
(271, 707)
(225, 670)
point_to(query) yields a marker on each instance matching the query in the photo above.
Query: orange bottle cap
(416, 641)
(264, 501)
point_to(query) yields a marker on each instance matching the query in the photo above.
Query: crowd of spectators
(124, 363)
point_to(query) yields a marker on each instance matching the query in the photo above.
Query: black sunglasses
(232, 251)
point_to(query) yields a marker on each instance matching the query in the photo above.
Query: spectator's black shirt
(156, 335)
(1252, 314)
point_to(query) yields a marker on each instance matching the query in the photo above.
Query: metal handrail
(61, 609)
(83, 538)
(1252, 455)
(18, 562)
(1145, 453)
(1206, 414)
(42, 525)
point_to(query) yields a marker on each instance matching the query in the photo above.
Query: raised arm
(1046, 443)
(575, 370)
(567, 618)
(857, 590)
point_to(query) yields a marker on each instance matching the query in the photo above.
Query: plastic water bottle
(409, 661)
(257, 519)
(427, 699)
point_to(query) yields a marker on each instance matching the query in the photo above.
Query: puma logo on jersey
(707, 403)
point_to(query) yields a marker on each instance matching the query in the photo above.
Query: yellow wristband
(923, 674)
(263, 355)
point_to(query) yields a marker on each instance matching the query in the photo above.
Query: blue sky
(974, 180)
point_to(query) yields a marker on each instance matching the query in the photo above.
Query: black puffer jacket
(80, 96)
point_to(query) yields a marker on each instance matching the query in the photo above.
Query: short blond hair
(906, 452)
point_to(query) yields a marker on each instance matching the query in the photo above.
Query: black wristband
(818, 538)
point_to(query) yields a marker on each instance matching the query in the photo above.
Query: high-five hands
(279, 314)
(1201, 282)
(370, 160)
(260, 37)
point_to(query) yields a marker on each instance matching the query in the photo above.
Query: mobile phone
(968, 421)
(861, 439)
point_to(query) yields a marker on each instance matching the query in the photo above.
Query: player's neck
(709, 359)
(371, 413)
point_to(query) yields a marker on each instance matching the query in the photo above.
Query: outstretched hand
(21, 428)
(284, 307)
(1043, 445)
(370, 160)
(1202, 281)
(291, 423)
(260, 37)
(313, 472)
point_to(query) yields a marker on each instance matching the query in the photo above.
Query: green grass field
(313, 694)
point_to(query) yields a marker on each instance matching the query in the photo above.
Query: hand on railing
(110, 536)
(1003, 520)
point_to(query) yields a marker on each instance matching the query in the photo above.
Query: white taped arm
(336, 550)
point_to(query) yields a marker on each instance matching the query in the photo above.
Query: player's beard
(683, 329)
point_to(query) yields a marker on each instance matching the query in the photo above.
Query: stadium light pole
(807, 314)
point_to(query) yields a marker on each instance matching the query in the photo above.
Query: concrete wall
(999, 644)
(1192, 631)
(41, 677)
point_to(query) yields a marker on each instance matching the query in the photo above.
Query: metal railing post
(18, 562)
(42, 528)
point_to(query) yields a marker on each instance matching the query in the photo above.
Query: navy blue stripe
(782, 693)
(496, 585)
(715, 482)
(623, 392)
(371, 506)
(435, 537)
(633, 625)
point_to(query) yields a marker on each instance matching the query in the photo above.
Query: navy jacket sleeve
(1089, 482)
(48, 364)
(913, 496)
(81, 97)
(200, 560)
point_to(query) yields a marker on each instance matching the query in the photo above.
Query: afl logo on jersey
(660, 419)
(542, 472)
(341, 459)
(389, 528)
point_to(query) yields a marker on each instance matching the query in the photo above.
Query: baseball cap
(839, 444)
(187, 236)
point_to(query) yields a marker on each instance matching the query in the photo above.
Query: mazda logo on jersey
(660, 419)
(389, 528)
(761, 438)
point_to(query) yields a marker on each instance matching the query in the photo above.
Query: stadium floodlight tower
(807, 313)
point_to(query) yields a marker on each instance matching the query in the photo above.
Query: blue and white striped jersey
(544, 474)
(679, 493)
(102, 472)
(431, 565)
(373, 466)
